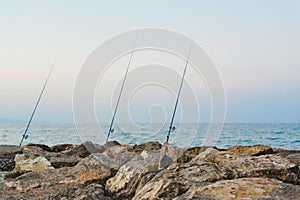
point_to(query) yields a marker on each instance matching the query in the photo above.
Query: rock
(2, 176)
(91, 169)
(61, 147)
(284, 151)
(148, 146)
(7, 164)
(7, 155)
(118, 155)
(270, 166)
(148, 171)
(38, 164)
(9, 151)
(246, 188)
(255, 150)
(88, 148)
(61, 160)
(115, 157)
(178, 178)
(57, 160)
(81, 150)
(52, 182)
(111, 144)
(191, 153)
(294, 158)
(169, 154)
(92, 191)
(291, 156)
(41, 146)
(33, 151)
(13, 174)
(134, 174)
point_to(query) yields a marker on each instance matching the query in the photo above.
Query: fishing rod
(171, 127)
(25, 135)
(119, 97)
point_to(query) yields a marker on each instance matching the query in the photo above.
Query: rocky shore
(148, 171)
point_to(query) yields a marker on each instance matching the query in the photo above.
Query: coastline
(147, 171)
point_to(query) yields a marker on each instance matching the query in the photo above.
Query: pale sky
(254, 44)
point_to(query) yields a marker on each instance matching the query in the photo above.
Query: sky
(254, 44)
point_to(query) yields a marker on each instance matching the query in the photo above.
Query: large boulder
(38, 164)
(178, 178)
(294, 158)
(169, 154)
(7, 155)
(270, 166)
(41, 146)
(134, 174)
(61, 147)
(39, 185)
(245, 188)
(57, 159)
(9, 151)
(85, 149)
(255, 150)
(117, 155)
(191, 153)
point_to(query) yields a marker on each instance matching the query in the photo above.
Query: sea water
(279, 135)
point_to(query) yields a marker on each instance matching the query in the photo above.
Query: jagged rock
(41, 146)
(7, 155)
(292, 155)
(134, 174)
(118, 155)
(9, 151)
(39, 185)
(178, 178)
(38, 164)
(169, 154)
(7, 164)
(148, 146)
(33, 152)
(191, 153)
(61, 160)
(61, 147)
(92, 191)
(285, 151)
(246, 188)
(91, 169)
(57, 160)
(255, 150)
(270, 166)
(111, 143)
(82, 150)
(3, 175)
(87, 148)
(115, 157)
(294, 158)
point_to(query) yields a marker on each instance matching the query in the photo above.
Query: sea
(277, 135)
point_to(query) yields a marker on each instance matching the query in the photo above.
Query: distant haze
(254, 44)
